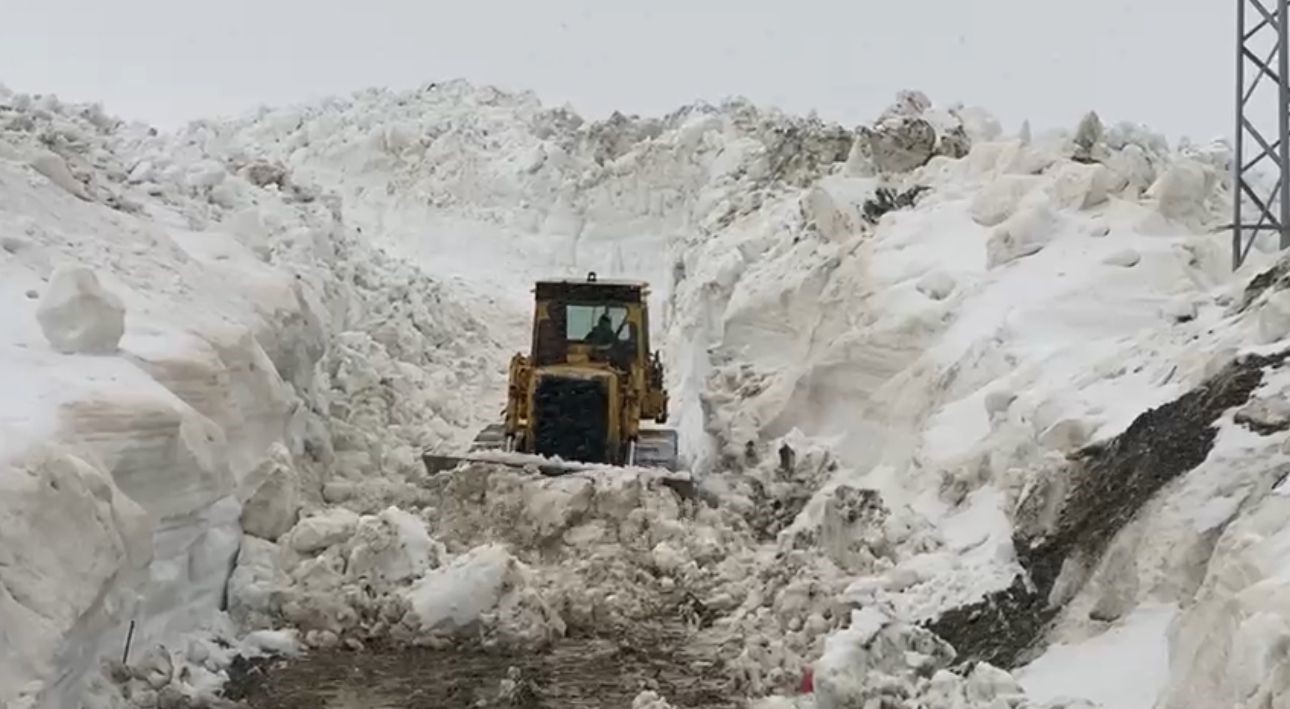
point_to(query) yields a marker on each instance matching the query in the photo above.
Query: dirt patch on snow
(1109, 483)
(578, 672)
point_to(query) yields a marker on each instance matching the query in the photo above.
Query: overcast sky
(1167, 63)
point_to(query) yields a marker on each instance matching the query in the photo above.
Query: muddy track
(1109, 483)
(586, 672)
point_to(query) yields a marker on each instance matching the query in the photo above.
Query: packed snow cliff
(904, 359)
(190, 350)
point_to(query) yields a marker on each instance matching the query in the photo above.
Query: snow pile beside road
(125, 450)
(184, 344)
(1199, 559)
(340, 578)
(872, 659)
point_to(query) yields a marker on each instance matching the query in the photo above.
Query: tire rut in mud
(1109, 483)
(574, 673)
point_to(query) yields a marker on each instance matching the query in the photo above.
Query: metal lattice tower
(1262, 110)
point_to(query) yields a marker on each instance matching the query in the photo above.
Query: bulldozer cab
(590, 322)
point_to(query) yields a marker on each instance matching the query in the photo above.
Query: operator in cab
(603, 333)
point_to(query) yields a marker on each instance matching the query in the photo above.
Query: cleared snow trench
(238, 470)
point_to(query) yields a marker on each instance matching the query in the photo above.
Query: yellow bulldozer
(581, 395)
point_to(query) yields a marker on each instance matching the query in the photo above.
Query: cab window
(596, 324)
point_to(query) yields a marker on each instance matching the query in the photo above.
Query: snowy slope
(314, 292)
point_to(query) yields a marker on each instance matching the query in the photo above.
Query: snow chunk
(851, 528)
(876, 659)
(1026, 233)
(650, 699)
(1081, 186)
(78, 316)
(997, 403)
(667, 558)
(1000, 199)
(391, 547)
(1127, 258)
(1265, 415)
(910, 133)
(900, 144)
(1090, 143)
(262, 173)
(54, 167)
(271, 642)
(937, 285)
(271, 511)
(1065, 435)
(1181, 191)
(979, 124)
(454, 597)
(330, 527)
(1098, 229)
(254, 586)
(1274, 318)
(836, 218)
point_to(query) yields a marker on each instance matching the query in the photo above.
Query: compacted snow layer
(882, 347)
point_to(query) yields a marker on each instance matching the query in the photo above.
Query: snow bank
(173, 374)
(1196, 559)
(144, 417)
(63, 520)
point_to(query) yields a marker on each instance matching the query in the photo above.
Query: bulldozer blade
(679, 482)
(655, 449)
(439, 463)
(491, 438)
